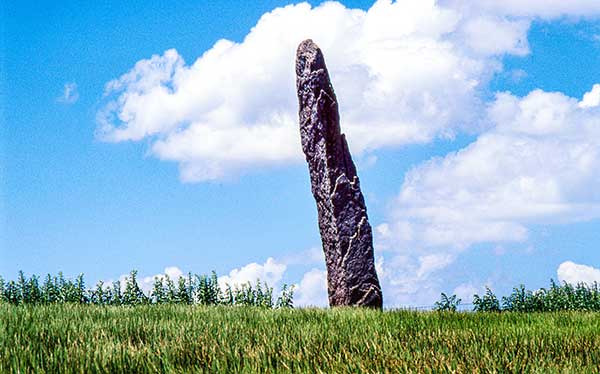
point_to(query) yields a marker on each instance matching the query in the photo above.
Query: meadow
(77, 338)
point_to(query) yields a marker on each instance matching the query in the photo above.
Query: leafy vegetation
(565, 297)
(193, 289)
(75, 338)
(447, 303)
(581, 297)
(59, 325)
(486, 303)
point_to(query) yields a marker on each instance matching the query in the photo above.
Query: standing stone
(343, 223)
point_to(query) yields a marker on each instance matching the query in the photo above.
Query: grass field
(172, 338)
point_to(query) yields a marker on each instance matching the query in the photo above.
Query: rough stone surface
(343, 222)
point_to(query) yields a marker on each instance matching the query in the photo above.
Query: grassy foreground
(180, 338)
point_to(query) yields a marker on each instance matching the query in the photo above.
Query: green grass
(171, 338)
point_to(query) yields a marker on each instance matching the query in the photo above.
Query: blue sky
(475, 145)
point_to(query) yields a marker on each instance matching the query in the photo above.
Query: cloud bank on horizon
(405, 72)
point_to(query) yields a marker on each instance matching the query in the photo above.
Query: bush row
(558, 297)
(192, 289)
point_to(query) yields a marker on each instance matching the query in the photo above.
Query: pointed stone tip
(309, 58)
(307, 44)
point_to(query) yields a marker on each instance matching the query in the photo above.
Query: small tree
(214, 289)
(245, 295)
(202, 290)
(228, 297)
(158, 291)
(286, 299)
(519, 300)
(116, 297)
(208, 291)
(62, 287)
(11, 293)
(182, 291)
(190, 289)
(487, 303)
(99, 296)
(171, 292)
(133, 294)
(79, 291)
(34, 293)
(447, 303)
(22, 288)
(49, 290)
(264, 295)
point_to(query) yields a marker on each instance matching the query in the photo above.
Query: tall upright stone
(343, 222)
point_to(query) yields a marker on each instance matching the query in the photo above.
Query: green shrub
(486, 303)
(191, 289)
(565, 297)
(447, 303)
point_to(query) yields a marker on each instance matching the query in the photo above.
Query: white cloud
(495, 35)
(312, 290)
(310, 256)
(271, 272)
(411, 278)
(517, 75)
(432, 262)
(546, 9)
(405, 281)
(405, 72)
(535, 166)
(146, 283)
(465, 292)
(591, 99)
(70, 94)
(573, 273)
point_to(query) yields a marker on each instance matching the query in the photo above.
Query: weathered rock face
(343, 222)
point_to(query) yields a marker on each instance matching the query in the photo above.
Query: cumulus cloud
(146, 283)
(311, 256)
(312, 290)
(465, 292)
(546, 9)
(535, 166)
(405, 72)
(573, 273)
(410, 278)
(270, 272)
(70, 94)
(591, 99)
(496, 35)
